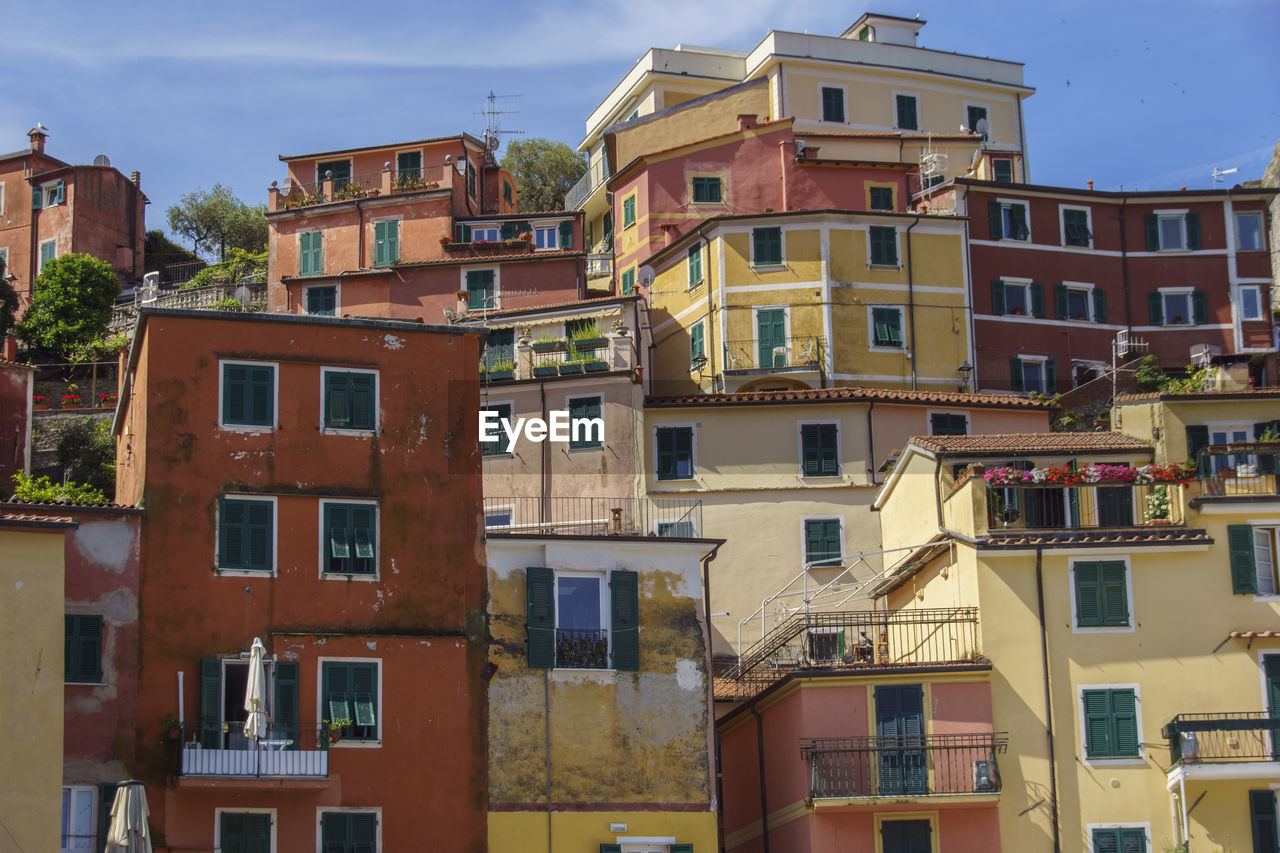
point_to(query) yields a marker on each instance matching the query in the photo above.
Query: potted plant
(546, 343)
(71, 401)
(333, 730)
(545, 369)
(39, 402)
(446, 240)
(1157, 510)
(500, 370)
(588, 336)
(107, 401)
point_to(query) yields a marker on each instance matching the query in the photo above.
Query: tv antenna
(492, 132)
(1219, 173)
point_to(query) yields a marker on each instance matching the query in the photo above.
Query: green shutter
(1155, 309)
(1050, 376)
(258, 534)
(285, 713)
(364, 692)
(82, 649)
(1193, 231)
(1097, 724)
(1244, 570)
(583, 407)
(363, 400)
(37, 198)
(997, 296)
(1152, 223)
(624, 597)
(566, 235)
(386, 245)
(62, 197)
(464, 233)
(610, 848)
(1197, 441)
(364, 533)
(1262, 815)
(1113, 594)
(210, 703)
(507, 231)
(1266, 461)
(628, 211)
(1037, 299)
(695, 264)
(688, 848)
(304, 254)
(541, 615)
(1124, 714)
(1199, 307)
(232, 832)
(628, 281)
(767, 246)
(1060, 301)
(907, 112)
(230, 538)
(884, 245)
(1017, 383)
(1106, 841)
(337, 397)
(697, 342)
(1099, 305)
(1088, 595)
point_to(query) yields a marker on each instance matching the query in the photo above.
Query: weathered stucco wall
(16, 383)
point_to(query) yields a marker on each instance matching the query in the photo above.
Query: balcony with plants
(583, 349)
(297, 194)
(222, 751)
(1242, 471)
(1084, 497)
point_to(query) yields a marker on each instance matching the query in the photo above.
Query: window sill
(594, 447)
(1118, 761)
(484, 457)
(246, 428)
(245, 573)
(881, 348)
(1015, 239)
(835, 476)
(1103, 629)
(84, 683)
(769, 267)
(884, 266)
(1266, 598)
(1077, 245)
(350, 743)
(358, 433)
(348, 576)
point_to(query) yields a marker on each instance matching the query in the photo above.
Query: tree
(544, 170)
(87, 454)
(161, 251)
(71, 304)
(217, 219)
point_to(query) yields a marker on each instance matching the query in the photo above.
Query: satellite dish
(980, 127)
(646, 276)
(102, 160)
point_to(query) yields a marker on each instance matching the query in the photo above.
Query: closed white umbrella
(128, 832)
(255, 695)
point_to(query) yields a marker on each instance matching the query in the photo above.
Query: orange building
(361, 575)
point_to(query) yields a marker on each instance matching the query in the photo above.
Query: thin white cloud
(1199, 176)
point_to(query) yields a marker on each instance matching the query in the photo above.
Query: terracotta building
(361, 577)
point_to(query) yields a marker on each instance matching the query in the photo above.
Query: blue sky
(1137, 94)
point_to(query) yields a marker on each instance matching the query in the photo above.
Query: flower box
(40, 402)
(594, 366)
(570, 367)
(544, 370)
(495, 375)
(71, 401)
(549, 346)
(106, 401)
(589, 343)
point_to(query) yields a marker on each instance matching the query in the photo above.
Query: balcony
(1230, 745)
(582, 648)
(387, 182)
(1246, 470)
(599, 265)
(850, 768)
(860, 640)
(595, 175)
(674, 518)
(1091, 507)
(223, 752)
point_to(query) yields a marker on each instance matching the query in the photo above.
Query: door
(1115, 506)
(906, 836)
(245, 832)
(900, 730)
(771, 333)
(1271, 672)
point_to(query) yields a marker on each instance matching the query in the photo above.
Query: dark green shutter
(507, 231)
(1097, 724)
(583, 408)
(684, 848)
(1099, 305)
(1153, 232)
(234, 390)
(230, 538)
(37, 198)
(610, 848)
(1244, 569)
(1155, 309)
(1060, 301)
(1106, 840)
(231, 834)
(767, 245)
(364, 832)
(258, 530)
(62, 196)
(697, 342)
(695, 264)
(1124, 713)
(624, 594)
(210, 703)
(566, 235)
(285, 714)
(1262, 815)
(1015, 374)
(907, 112)
(1050, 376)
(541, 615)
(1037, 299)
(363, 397)
(628, 211)
(1113, 594)
(464, 233)
(1199, 307)
(106, 799)
(386, 246)
(997, 296)
(1193, 231)
(1088, 608)
(364, 692)
(1267, 461)
(337, 397)
(1197, 440)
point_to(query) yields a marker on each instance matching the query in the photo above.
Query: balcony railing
(582, 648)
(791, 353)
(224, 751)
(296, 194)
(595, 175)
(859, 639)
(674, 518)
(1239, 470)
(251, 296)
(1083, 507)
(1223, 738)
(599, 266)
(910, 766)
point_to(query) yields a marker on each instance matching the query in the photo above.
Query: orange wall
(16, 384)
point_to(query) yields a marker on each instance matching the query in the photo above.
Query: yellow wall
(1171, 417)
(712, 118)
(31, 634)
(526, 832)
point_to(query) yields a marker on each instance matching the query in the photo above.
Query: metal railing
(599, 265)
(674, 518)
(412, 180)
(223, 750)
(790, 353)
(1239, 470)
(1222, 738)
(1084, 507)
(582, 648)
(857, 639)
(595, 175)
(252, 297)
(909, 766)
(175, 274)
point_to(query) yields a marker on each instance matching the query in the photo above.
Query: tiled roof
(1078, 538)
(528, 214)
(63, 504)
(24, 518)
(1030, 443)
(1194, 396)
(892, 134)
(845, 395)
(1254, 635)
(593, 302)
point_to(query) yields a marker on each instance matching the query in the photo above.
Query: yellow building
(31, 634)
(1116, 612)
(811, 300)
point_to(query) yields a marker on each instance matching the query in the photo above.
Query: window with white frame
(583, 619)
(1077, 226)
(1251, 302)
(248, 393)
(246, 534)
(79, 818)
(1075, 301)
(350, 399)
(55, 192)
(349, 538)
(1008, 220)
(1017, 298)
(546, 237)
(1249, 231)
(349, 832)
(1232, 433)
(973, 114)
(1032, 373)
(1002, 170)
(349, 696)
(1266, 559)
(886, 326)
(1178, 310)
(1110, 722)
(245, 831)
(1118, 839)
(487, 233)
(1172, 231)
(833, 104)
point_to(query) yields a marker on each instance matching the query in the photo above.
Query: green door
(1115, 506)
(771, 332)
(900, 730)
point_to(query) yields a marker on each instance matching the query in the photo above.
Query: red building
(314, 483)
(399, 231)
(1058, 272)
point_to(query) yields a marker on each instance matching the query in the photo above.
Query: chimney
(37, 136)
(136, 177)
(747, 122)
(1090, 186)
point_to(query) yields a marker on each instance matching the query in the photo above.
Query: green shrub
(44, 490)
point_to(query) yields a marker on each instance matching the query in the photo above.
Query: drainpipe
(711, 325)
(360, 233)
(911, 302)
(1048, 700)
(871, 444)
(544, 509)
(764, 803)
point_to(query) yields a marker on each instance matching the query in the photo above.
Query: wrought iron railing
(857, 639)
(224, 750)
(1239, 470)
(674, 518)
(1223, 738)
(1084, 507)
(582, 648)
(788, 353)
(172, 275)
(909, 766)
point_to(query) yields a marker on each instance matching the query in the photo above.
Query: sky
(1130, 94)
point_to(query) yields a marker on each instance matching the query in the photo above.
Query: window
(349, 538)
(221, 706)
(248, 394)
(907, 112)
(906, 836)
(1248, 231)
(884, 245)
(833, 104)
(629, 211)
(583, 436)
(339, 170)
(706, 191)
(1075, 227)
(546, 237)
(973, 114)
(675, 453)
(507, 192)
(82, 650)
(1178, 307)
(1251, 302)
(309, 258)
(48, 251)
(1101, 594)
(498, 447)
(881, 198)
(886, 327)
(349, 832)
(819, 456)
(1033, 374)
(322, 301)
(1262, 816)
(1171, 231)
(483, 233)
(386, 242)
(697, 343)
(823, 543)
(350, 692)
(350, 399)
(1110, 723)
(695, 265)
(1008, 220)
(1017, 298)
(766, 247)
(1120, 839)
(948, 423)
(1231, 434)
(79, 819)
(499, 350)
(48, 195)
(471, 180)
(480, 289)
(408, 166)
(244, 832)
(628, 281)
(498, 518)
(1002, 170)
(245, 538)
(1077, 302)
(1254, 559)
(572, 625)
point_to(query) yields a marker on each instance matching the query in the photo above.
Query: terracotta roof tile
(17, 502)
(845, 395)
(891, 134)
(31, 517)
(1030, 443)
(1191, 396)
(526, 309)
(1136, 536)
